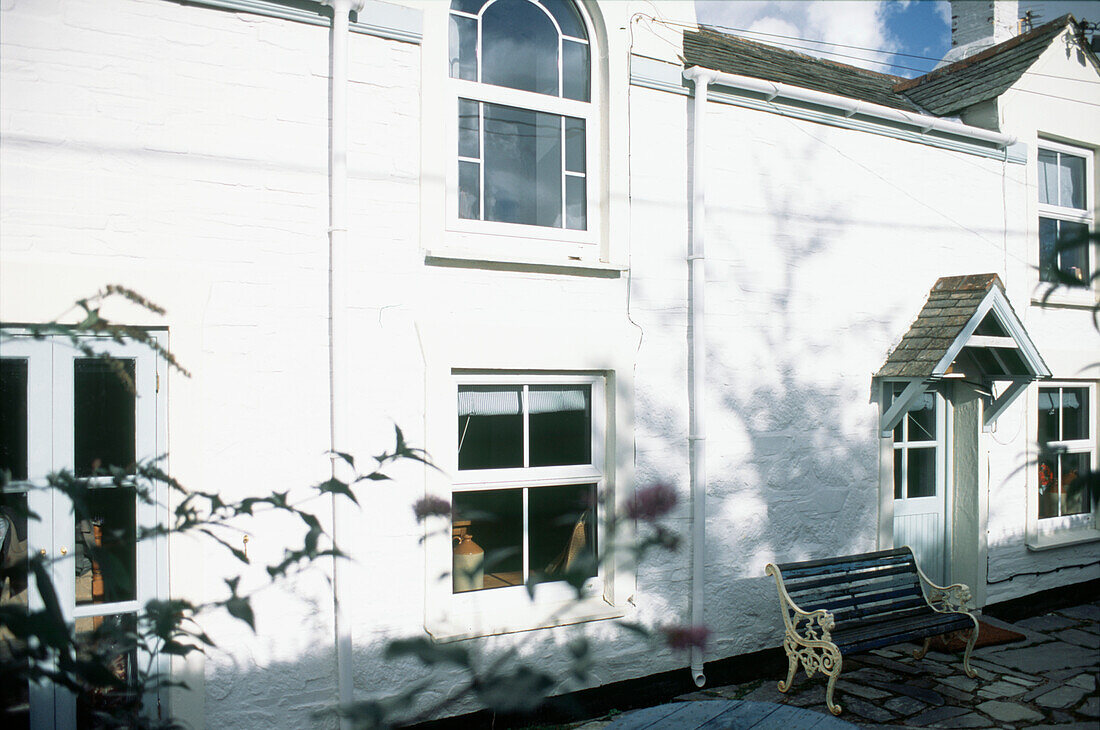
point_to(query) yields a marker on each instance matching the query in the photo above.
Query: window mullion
(526, 536)
(526, 429)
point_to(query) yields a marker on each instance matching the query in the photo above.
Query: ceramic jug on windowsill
(468, 564)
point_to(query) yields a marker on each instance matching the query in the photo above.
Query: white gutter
(697, 341)
(338, 331)
(850, 107)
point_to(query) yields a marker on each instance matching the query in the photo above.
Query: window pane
(560, 424)
(520, 47)
(463, 45)
(575, 72)
(576, 204)
(103, 417)
(522, 158)
(1048, 253)
(490, 521)
(1048, 177)
(1074, 495)
(922, 418)
(922, 473)
(13, 417)
(574, 145)
(468, 6)
(469, 190)
(14, 695)
(1048, 415)
(1048, 488)
(490, 427)
(111, 641)
(1071, 181)
(469, 129)
(562, 531)
(105, 546)
(899, 486)
(1072, 250)
(1075, 414)
(569, 20)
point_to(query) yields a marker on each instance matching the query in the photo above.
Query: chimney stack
(979, 24)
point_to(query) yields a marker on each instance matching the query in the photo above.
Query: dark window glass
(1063, 246)
(922, 473)
(562, 531)
(1049, 407)
(105, 557)
(575, 204)
(523, 160)
(13, 417)
(574, 145)
(1075, 414)
(520, 47)
(468, 6)
(569, 19)
(463, 44)
(469, 190)
(560, 424)
(469, 129)
(922, 419)
(575, 73)
(491, 520)
(490, 427)
(104, 426)
(899, 487)
(1075, 494)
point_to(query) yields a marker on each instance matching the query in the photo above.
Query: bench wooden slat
(793, 568)
(864, 600)
(848, 586)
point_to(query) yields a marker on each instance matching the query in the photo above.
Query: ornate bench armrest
(802, 626)
(955, 597)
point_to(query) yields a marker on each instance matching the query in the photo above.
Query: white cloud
(854, 23)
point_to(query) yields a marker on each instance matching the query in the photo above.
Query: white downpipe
(697, 437)
(338, 330)
(850, 107)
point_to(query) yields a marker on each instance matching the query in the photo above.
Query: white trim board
(379, 19)
(652, 74)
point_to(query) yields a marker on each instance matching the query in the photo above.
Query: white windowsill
(1064, 297)
(1063, 539)
(478, 259)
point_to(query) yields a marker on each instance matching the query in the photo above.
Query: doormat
(988, 635)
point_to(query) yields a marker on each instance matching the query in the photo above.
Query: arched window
(521, 75)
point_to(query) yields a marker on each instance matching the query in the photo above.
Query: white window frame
(50, 412)
(514, 240)
(527, 478)
(1053, 531)
(1064, 295)
(496, 347)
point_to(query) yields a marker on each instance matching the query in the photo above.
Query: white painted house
(511, 228)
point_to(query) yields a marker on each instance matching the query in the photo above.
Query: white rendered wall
(182, 151)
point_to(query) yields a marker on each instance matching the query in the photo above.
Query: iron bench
(839, 606)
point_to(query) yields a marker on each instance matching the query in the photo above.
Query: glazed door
(67, 413)
(920, 477)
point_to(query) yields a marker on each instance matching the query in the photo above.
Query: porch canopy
(967, 330)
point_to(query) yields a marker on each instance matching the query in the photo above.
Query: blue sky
(914, 27)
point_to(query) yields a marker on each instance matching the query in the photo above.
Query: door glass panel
(922, 473)
(109, 641)
(922, 419)
(14, 695)
(103, 416)
(13, 417)
(105, 546)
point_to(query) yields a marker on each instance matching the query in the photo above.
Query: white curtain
(493, 400)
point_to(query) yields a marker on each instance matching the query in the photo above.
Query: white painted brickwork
(182, 151)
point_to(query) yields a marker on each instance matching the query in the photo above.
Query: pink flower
(426, 507)
(682, 638)
(652, 502)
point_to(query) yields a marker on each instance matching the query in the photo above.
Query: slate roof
(951, 304)
(984, 75)
(942, 92)
(731, 54)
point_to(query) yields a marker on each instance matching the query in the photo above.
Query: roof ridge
(1059, 23)
(804, 56)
